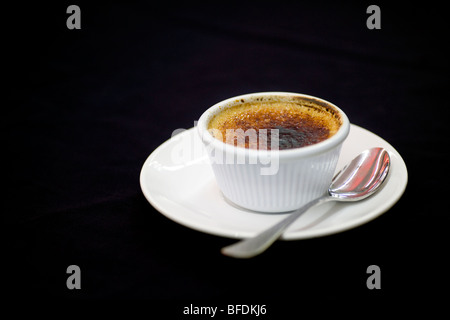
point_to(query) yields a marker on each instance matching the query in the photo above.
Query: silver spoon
(356, 181)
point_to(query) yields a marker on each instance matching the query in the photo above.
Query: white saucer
(179, 182)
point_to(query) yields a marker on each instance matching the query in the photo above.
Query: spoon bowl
(359, 179)
(362, 176)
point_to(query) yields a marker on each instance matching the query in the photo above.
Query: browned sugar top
(299, 124)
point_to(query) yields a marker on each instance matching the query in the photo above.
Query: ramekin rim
(313, 149)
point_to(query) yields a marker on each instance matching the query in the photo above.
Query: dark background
(84, 109)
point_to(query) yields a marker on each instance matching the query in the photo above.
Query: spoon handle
(251, 247)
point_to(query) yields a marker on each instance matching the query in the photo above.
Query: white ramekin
(268, 180)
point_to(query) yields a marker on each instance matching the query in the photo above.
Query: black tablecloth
(85, 108)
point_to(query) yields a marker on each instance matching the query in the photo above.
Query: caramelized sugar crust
(298, 124)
